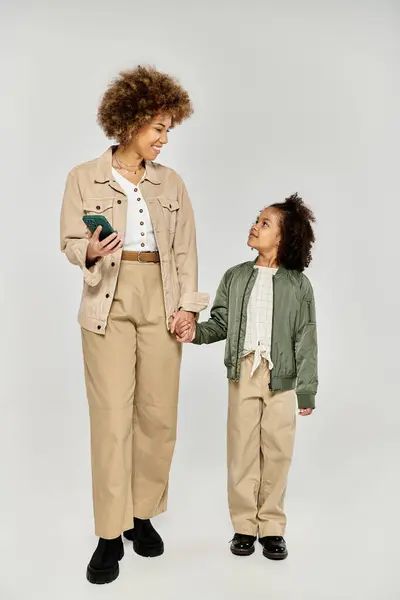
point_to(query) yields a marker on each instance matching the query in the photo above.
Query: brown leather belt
(142, 257)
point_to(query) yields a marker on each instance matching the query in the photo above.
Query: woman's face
(151, 138)
(265, 234)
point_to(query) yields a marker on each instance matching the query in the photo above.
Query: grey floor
(340, 538)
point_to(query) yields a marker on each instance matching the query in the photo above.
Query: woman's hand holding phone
(97, 249)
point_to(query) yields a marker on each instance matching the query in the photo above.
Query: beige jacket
(91, 189)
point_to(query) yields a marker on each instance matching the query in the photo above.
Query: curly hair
(297, 234)
(135, 97)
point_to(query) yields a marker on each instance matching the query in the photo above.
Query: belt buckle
(138, 256)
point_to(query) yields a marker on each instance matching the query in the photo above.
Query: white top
(139, 233)
(259, 318)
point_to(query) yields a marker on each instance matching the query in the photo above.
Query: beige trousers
(132, 382)
(261, 432)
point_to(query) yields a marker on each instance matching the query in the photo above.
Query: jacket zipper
(240, 324)
(272, 329)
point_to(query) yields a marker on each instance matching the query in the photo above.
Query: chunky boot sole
(148, 551)
(248, 552)
(102, 576)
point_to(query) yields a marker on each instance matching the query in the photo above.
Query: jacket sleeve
(73, 233)
(215, 329)
(185, 252)
(306, 351)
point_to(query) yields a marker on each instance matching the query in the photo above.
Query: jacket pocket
(169, 207)
(97, 206)
(311, 311)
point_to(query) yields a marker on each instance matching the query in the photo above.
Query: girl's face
(265, 234)
(151, 138)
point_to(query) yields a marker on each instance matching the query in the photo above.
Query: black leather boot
(242, 544)
(146, 541)
(274, 547)
(104, 567)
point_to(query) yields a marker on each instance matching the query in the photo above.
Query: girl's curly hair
(297, 234)
(135, 97)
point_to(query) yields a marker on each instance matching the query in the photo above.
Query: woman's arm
(81, 247)
(73, 232)
(185, 251)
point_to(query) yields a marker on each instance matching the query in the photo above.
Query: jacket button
(118, 201)
(143, 245)
(142, 234)
(98, 207)
(141, 210)
(135, 190)
(113, 264)
(98, 326)
(142, 223)
(107, 295)
(138, 199)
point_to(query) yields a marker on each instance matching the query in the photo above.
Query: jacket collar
(104, 173)
(280, 272)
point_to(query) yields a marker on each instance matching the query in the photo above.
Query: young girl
(265, 310)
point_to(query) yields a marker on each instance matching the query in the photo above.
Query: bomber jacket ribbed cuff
(306, 400)
(197, 337)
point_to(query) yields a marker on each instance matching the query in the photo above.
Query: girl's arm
(306, 351)
(215, 329)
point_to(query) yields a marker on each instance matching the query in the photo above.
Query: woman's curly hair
(297, 234)
(135, 97)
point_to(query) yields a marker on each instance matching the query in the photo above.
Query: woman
(138, 284)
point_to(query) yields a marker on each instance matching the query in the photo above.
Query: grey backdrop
(289, 96)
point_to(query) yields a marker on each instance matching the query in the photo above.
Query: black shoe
(104, 567)
(242, 545)
(146, 541)
(274, 547)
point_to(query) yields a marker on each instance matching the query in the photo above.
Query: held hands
(184, 326)
(97, 249)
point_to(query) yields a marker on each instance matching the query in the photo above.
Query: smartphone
(93, 221)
